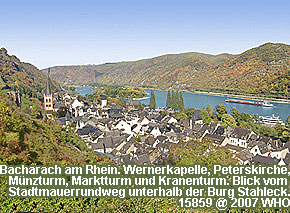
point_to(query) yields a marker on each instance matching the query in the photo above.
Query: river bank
(277, 100)
(139, 99)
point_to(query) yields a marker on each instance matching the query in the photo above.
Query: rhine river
(199, 101)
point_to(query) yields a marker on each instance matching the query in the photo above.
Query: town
(128, 135)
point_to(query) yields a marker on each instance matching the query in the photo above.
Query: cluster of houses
(127, 135)
(145, 136)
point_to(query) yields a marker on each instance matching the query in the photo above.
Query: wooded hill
(159, 72)
(23, 76)
(261, 70)
(24, 136)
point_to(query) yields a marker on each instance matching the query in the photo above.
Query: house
(130, 104)
(142, 159)
(259, 148)
(196, 118)
(281, 154)
(86, 131)
(123, 125)
(104, 101)
(264, 160)
(58, 106)
(155, 132)
(172, 120)
(244, 157)
(185, 123)
(116, 114)
(217, 139)
(240, 136)
(154, 155)
(76, 106)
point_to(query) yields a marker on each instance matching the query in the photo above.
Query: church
(48, 98)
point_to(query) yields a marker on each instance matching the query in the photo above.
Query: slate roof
(86, 130)
(216, 138)
(160, 117)
(142, 159)
(212, 127)
(125, 148)
(58, 105)
(161, 138)
(287, 159)
(108, 142)
(265, 139)
(202, 130)
(241, 133)
(220, 130)
(196, 115)
(264, 160)
(245, 155)
(174, 128)
(196, 127)
(150, 140)
(127, 159)
(61, 121)
(263, 148)
(115, 113)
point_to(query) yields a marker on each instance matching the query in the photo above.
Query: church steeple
(48, 90)
(48, 99)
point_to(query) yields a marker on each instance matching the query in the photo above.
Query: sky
(69, 32)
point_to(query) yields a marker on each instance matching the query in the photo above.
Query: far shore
(277, 100)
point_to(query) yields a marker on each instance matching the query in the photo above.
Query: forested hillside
(161, 72)
(26, 137)
(262, 70)
(22, 76)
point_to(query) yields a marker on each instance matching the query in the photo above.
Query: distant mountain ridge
(260, 70)
(161, 71)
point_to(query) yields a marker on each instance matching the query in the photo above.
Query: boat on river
(264, 103)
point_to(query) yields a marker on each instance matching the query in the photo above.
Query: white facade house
(123, 125)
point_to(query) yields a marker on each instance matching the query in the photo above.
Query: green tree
(221, 109)
(189, 112)
(181, 102)
(235, 113)
(210, 111)
(168, 101)
(228, 120)
(180, 115)
(173, 100)
(203, 152)
(152, 103)
(205, 116)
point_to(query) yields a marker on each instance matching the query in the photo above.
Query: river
(199, 101)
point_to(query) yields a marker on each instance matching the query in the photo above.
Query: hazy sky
(63, 32)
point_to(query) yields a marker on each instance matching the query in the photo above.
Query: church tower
(48, 100)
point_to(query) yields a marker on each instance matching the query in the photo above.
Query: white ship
(271, 120)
